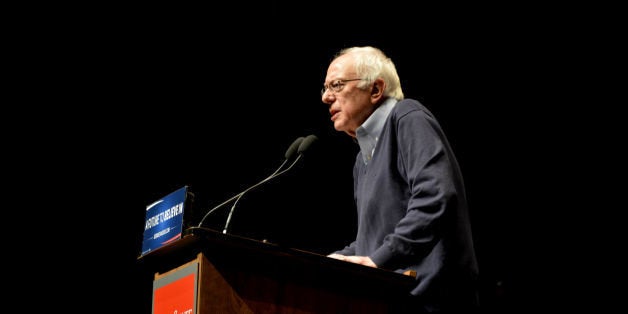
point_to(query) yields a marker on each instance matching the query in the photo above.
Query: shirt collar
(368, 133)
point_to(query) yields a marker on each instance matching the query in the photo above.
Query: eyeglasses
(337, 85)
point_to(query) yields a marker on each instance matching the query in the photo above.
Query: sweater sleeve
(347, 250)
(424, 162)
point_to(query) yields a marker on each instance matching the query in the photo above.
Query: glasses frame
(337, 85)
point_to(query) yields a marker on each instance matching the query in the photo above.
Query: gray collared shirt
(368, 133)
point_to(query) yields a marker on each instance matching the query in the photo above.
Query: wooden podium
(210, 272)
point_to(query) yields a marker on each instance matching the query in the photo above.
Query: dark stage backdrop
(213, 98)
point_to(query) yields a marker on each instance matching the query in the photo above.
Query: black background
(160, 97)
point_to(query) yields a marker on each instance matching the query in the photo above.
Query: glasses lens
(336, 86)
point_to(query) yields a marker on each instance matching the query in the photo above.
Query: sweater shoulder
(407, 106)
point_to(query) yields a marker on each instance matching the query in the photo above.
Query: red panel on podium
(175, 291)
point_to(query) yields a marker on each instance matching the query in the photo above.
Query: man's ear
(378, 88)
(377, 91)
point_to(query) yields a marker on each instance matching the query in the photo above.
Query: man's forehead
(339, 68)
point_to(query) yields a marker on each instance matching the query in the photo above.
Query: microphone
(303, 144)
(306, 143)
(295, 147)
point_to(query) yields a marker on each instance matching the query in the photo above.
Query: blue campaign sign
(164, 220)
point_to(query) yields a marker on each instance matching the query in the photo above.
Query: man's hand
(337, 256)
(362, 260)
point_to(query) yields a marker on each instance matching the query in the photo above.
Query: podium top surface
(225, 250)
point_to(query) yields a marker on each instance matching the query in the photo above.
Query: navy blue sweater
(412, 209)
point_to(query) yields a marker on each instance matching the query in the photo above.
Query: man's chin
(339, 126)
